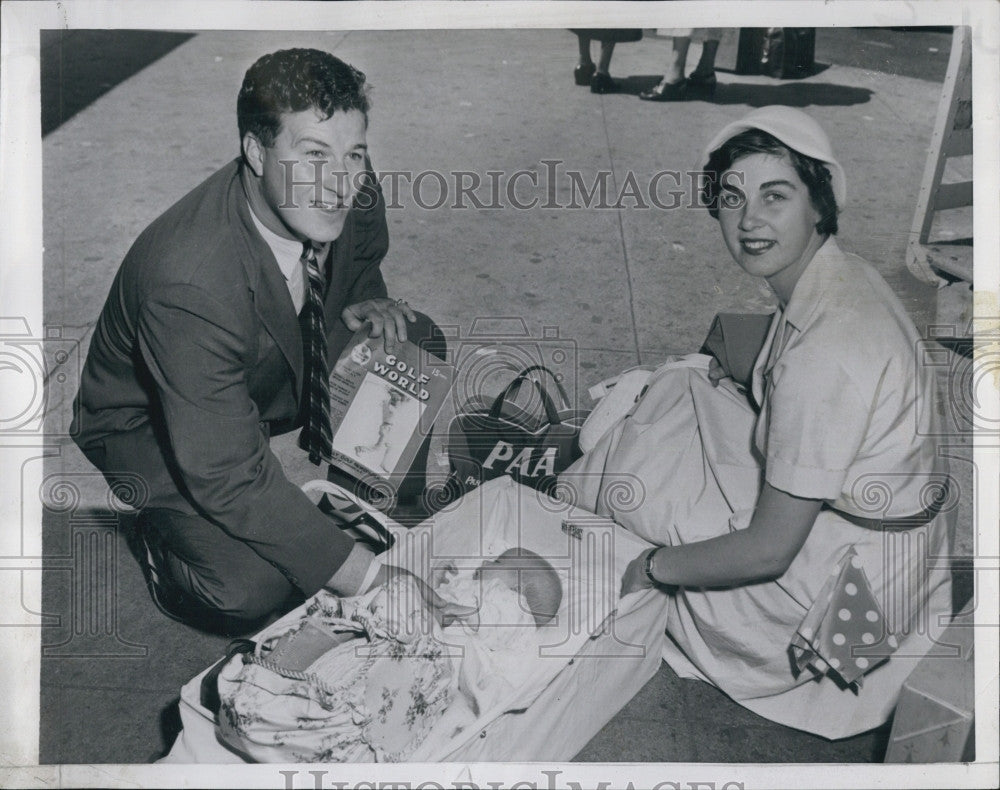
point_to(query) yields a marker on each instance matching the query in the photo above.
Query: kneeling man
(218, 332)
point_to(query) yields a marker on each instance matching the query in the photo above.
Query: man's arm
(370, 241)
(196, 350)
(358, 285)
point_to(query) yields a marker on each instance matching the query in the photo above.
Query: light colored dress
(694, 33)
(847, 416)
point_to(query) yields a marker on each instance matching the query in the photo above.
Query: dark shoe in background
(602, 83)
(673, 91)
(701, 86)
(583, 72)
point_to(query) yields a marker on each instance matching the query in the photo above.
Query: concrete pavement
(621, 285)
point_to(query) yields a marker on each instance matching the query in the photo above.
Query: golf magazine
(383, 406)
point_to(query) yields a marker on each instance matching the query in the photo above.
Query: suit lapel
(270, 292)
(336, 273)
(274, 306)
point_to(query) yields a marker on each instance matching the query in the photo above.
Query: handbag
(501, 438)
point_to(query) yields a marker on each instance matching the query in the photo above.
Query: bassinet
(598, 658)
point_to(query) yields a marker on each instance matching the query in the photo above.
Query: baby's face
(530, 577)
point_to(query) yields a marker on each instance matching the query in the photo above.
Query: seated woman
(800, 536)
(369, 678)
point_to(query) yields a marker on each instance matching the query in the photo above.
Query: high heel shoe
(687, 89)
(583, 72)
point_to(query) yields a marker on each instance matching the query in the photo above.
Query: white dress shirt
(288, 254)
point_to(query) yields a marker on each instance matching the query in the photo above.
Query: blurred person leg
(701, 83)
(601, 82)
(585, 68)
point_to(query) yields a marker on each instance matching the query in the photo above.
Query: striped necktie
(316, 437)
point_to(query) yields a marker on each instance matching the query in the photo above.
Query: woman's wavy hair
(294, 80)
(814, 174)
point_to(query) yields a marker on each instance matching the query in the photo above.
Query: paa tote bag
(486, 441)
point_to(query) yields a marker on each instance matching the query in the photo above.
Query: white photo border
(21, 294)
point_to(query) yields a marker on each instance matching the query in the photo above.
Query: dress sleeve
(817, 418)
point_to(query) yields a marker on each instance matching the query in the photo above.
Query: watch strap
(647, 566)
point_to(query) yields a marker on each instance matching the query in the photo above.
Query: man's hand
(441, 573)
(445, 612)
(387, 317)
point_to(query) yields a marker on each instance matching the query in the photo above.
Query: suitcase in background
(750, 50)
(781, 52)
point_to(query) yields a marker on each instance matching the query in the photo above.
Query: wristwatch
(647, 566)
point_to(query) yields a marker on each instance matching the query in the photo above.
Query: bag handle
(555, 380)
(511, 390)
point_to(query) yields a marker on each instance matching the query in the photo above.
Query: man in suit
(197, 358)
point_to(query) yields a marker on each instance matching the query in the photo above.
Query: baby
(517, 570)
(309, 695)
(514, 595)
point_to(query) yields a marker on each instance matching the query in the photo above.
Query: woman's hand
(387, 317)
(762, 551)
(635, 578)
(716, 372)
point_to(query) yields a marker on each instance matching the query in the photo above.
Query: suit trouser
(221, 572)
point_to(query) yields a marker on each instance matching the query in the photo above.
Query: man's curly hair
(293, 80)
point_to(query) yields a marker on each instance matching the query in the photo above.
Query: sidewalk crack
(621, 236)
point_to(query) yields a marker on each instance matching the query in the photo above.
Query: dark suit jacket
(197, 358)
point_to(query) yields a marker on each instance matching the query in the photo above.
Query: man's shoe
(583, 72)
(602, 83)
(170, 599)
(354, 520)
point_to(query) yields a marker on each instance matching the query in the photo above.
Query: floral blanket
(355, 680)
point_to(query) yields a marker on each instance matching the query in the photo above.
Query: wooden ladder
(926, 259)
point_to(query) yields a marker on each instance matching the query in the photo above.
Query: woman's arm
(761, 552)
